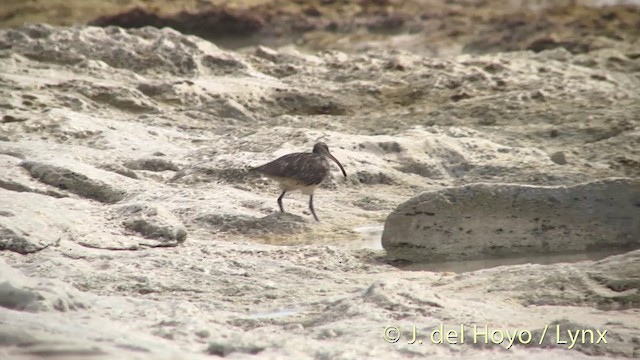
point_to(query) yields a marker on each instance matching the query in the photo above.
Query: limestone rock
(482, 220)
(559, 158)
(275, 223)
(18, 292)
(153, 222)
(151, 164)
(66, 179)
(22, 228)
(31, 222)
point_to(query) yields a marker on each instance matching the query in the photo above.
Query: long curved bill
(340, 165)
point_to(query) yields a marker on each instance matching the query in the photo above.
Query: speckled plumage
(300, 171)
(307, 168)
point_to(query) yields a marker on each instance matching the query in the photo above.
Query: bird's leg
(280, 201)
(313, 212)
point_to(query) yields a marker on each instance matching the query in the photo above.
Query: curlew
(300, 171)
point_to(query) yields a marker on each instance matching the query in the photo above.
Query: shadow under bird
(300, 171)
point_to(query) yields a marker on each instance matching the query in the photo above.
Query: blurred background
(427, 27)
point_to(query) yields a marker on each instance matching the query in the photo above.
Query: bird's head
(322, 149)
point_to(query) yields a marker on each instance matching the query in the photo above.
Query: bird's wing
(305, 167)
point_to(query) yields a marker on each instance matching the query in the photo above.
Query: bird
(300, 171)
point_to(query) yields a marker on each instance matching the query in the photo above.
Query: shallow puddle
(370, 237)
(473, 265)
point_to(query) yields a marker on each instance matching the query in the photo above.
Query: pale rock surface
(129, 223)
(480, 220)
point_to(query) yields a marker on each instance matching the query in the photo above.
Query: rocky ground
(429, 27)
(130, 228)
